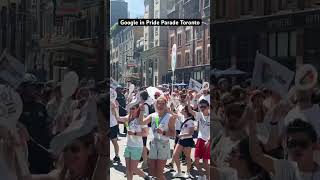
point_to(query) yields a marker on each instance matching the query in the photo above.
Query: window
(157, 42)
(199, 32)
(156, 80)
(282, 4)
(179, 39)
(272, 44)
(171, 41)
(293, 43)
(156, 65)
(209, 53)
(156, 29)
(199, 56)
(206, 3)
(156, 14)
(178, 60)
(188, 35)
(246, 7)
(283, 44)
(187, 59)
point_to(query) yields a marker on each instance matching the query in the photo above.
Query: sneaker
(116, 159)
(169, 166)
(178, 175)
(187, 175)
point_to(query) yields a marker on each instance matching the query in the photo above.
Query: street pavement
(118, 171)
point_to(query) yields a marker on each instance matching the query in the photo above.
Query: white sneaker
(178, 175)
(187, 175)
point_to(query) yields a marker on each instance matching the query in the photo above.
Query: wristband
(164, 133)
(135, 133)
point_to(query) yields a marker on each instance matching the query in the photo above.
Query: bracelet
(274, 123)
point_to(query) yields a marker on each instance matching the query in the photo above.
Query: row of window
(188, 36)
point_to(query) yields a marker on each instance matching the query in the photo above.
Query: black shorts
(177, 133)
(186, 142)
(144, 141)
(114, 132)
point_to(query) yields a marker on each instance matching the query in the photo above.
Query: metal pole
(100, 66)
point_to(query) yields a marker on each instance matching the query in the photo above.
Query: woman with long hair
(163, 127)
(135, 132)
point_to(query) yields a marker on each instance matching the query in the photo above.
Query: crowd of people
(259, 134)
(180, 115)
(85, 157)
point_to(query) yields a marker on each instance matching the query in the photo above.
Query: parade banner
(195, 85)
(11, 70)
(271, 75)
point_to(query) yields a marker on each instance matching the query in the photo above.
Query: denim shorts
(159, 150)
(133, 153)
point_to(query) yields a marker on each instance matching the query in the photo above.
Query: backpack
(150, 108)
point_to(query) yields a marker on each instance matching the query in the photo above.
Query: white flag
(271, 74)
(195, 85)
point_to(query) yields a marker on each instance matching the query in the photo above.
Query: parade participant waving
(163, 127)
(202, 146)
(134, 148)
(185, 142)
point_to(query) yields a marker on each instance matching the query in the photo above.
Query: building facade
(154, 56)
(283, 30)
(70, 42)
(125, 64)
(193, 43)
(118, 9)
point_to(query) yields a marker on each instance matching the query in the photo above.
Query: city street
(117, 171)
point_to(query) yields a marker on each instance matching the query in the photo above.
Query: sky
(136, 8)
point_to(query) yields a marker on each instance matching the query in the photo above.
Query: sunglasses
(298, 143)
(73, 149)
(203, 107)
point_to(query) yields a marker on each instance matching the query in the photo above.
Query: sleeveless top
(163, 124)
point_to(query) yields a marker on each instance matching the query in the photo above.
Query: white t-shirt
(179, 120)
(132, 140)
(186, 129)
(285, 170)
(113, 120)
(204, 126)
(146, 110)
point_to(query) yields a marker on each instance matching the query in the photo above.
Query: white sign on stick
(174, 57)
(271, 75)
(195, 85)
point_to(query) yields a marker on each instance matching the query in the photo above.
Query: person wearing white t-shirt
(202, 150)
(134, 148)
(300, 142)
(185, 143)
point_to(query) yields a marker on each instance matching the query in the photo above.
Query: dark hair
(103, 104)
(236, 109)
(301, 126)
(188, 112)
(203, 101)
(144, 95)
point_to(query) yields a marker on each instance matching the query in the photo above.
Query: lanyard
(157, 120)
